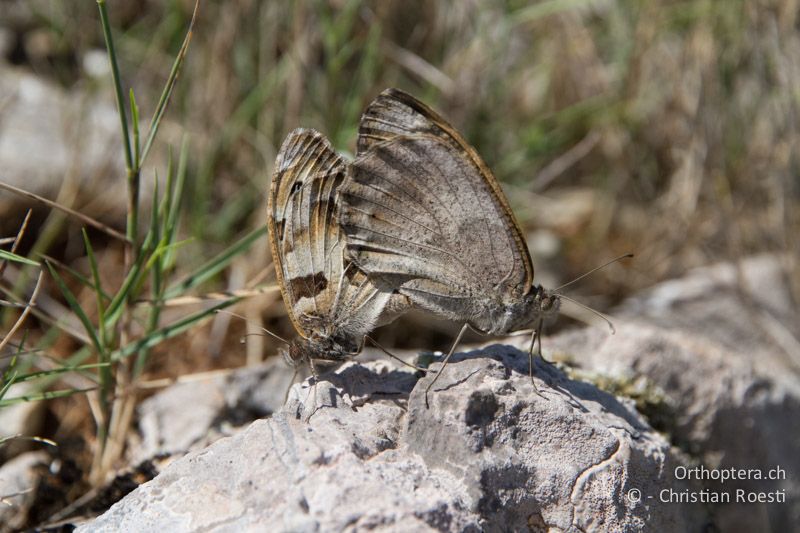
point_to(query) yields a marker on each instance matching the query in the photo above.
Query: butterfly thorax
(503, 316)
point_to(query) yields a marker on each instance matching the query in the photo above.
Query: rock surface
(37, 114)
(18, 482)
(717, 347)
(192, 415)
(24, 418)
(360, 450)
(63, 145)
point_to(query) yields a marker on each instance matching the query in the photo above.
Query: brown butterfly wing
(394, 113)
(422, 210)
(324, 296)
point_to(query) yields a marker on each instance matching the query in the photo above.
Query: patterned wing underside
(324, 297)
(394, 113)
(422, 208)
(413, 212)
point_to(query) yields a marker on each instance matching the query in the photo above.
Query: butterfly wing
(323, 295)
(395, 113)
(421, 207)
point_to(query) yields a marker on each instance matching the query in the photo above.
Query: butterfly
(331, 303)
(423, 213)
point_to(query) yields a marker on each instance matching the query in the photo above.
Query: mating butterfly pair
(417, 219)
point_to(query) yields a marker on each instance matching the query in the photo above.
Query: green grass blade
(169, 331)
(58, 371)
(112, 57)
(176, 193)
(76, 308)
(10, 378)
(48, 395)
(212, 267)
(86, 282)
(166, 202)
(155, 227)
(96, 285)
(155, 122)
(175, 197)
(8, 256)
(135, 123)
(154, 264)
(115, 308)
(163, 249)
(75, 359)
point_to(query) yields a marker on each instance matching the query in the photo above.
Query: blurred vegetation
(668, 129)
(663, 128)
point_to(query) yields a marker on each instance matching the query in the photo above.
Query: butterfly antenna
(265, 330)
(592, 271)
(593, 311)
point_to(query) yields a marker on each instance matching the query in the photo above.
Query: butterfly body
(423, 213)
(317, 348)
(500, 317)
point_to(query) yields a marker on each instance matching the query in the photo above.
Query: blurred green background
(667, 129)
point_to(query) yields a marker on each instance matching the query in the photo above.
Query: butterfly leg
(387, 352)
(313, 368)
(540, 330)
(534, 337)
(313, 391)
(289, 387)
(444, 363)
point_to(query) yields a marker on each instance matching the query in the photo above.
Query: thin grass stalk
(58, 371)
(135, 121)
(176, 194)
(10, 256)
(46, 395)
(157, 289)
(112, 57)
(155, 122)
(106, 376)
(139, 261)
(58, 207)
(9, 377)
(170, 330)
(15, 244)
(25, 312)
(212, 267)
(132, 168)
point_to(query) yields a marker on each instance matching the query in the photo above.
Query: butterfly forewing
(422, 209)
(323, 296)
(396, 113)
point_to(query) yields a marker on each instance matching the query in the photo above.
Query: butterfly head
(544, 304)
(538, 304)
(301, 351)
(295, 354)
(513, 314)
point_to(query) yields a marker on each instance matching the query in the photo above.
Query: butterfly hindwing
(324, 297)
